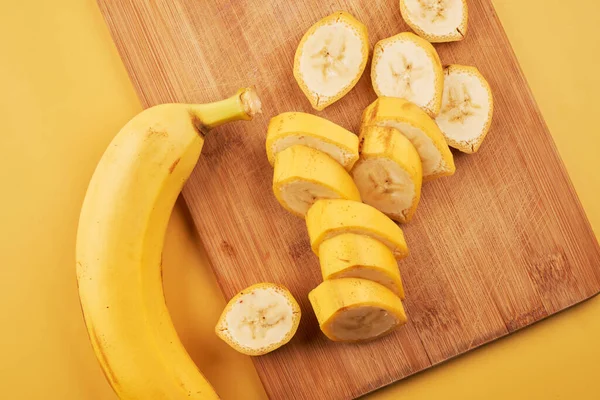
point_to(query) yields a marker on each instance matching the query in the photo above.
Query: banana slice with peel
(467, 108)
(291, 128)
(408, 67)
(419, 128)
(436, 20)
(358, 256)
(329, 218)
(389, 173)
(304, 175)
(259, 319)
(331, 58)
(352, 310)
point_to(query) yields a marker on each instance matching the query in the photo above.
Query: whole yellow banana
(119, 244)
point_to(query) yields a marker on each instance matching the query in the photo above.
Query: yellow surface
(65, 94)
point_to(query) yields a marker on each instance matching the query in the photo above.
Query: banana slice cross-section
(352, 310)
(329, 218)
(331, 58)
(389, 173)
(259, 319)
(290, 128)
(358, 256)
(436, 20)
(467, 108)
(304, 175)
(408, 67)
(419, 128)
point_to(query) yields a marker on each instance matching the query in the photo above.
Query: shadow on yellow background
(65, 94)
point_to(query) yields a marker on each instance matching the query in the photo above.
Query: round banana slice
(331, 58)
(436, 20)
(290, 128)
(422, 131)
(389, 173)
(351, 310)
(358, 256)
(329, 218)
(467, 108)
(408, 67)
(259, 319)
(304, 175)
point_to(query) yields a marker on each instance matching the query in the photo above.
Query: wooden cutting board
(500, 245)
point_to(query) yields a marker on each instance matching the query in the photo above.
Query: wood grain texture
(498, 246)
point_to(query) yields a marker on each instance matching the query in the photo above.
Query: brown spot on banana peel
(154, 133)
(172, 167)
(198, 125)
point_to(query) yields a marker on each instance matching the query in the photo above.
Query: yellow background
(64, 94)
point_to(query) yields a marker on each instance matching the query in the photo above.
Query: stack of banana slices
(357, 244)
(350, 189)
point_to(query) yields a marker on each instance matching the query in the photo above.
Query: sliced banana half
(290, 128)
(304, 175)
(259, 319)
(408, 67)
(329, 218)
(419, 128)
(436, 20)
(467, 108)
(331, 58)
(389, 173)
(358, 256)
(352, 310)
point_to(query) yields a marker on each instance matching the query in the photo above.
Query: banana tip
(251, 102)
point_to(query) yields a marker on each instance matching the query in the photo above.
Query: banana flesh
(119, 242)
(291, 128)
(408, 67)
(331, 58)
(419, 128)
(467, 108)
(329, 218)
(436, 20)
(352, 310)
(303, 175)
(358, 256)
(389, 173)
(259, 319)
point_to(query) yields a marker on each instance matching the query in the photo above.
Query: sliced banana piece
(304, 175)
(389, 173)
(419, 128)
(290, 128)
(331, 58)
(467, 108)
(329, 218)
(259, 319)
(436, 20)
(358, 256)
(351, 310)
(408, 67)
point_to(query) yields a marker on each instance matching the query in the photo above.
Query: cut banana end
(408, 67)
(351, 310)
(358, 256)
(304, 175)
(419, 128)
(436, 20)
(389, 173)
(331, 58)
(259, 319)
(467, 108)
(329, 218)
(290, 128)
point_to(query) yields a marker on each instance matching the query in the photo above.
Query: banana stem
(241, 106)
